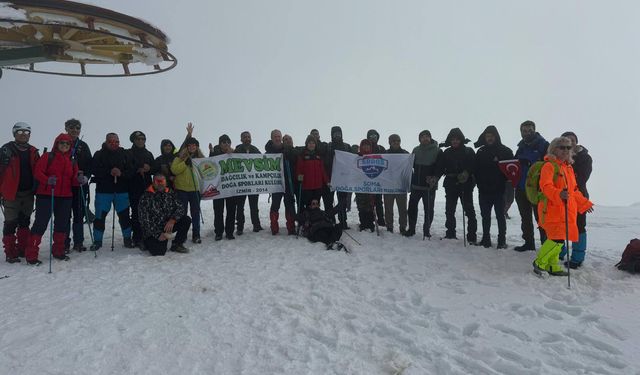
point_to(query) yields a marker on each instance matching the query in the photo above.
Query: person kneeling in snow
(161, 214)
(318, 225)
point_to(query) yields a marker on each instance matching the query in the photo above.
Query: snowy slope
(266, 304)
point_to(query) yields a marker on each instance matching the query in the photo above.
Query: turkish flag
(511, 169)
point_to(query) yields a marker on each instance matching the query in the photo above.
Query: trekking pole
(299, 204)
(566, 241)
(350, 236)
(113, 217)
(464, 227)
(51, 228)
(375, 217)
(86, 215)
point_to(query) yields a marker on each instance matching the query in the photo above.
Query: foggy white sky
(395, 66)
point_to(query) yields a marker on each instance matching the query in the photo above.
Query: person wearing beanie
(491, 183)
(276, 146)
(223, 224)
(187, 190)
(112, 169)
(457, 165)
(144, 165)
(337, 143)
(532, 148)
(81, 156)
(582, 167)
(245, 147)
(17, 162)
(374, 137)
(56, 174)
(164, 161)
(310, 172)
(399, 199)
(424, 182)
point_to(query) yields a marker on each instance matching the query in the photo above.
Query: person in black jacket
(162, 214)
(343, 198)
(81, 156)
(424, 182)
(164, 161)
(456, 164)
(318, 225)
(491, 183)
(143, 163)
(276, 146)
(374, 137)
(582, 166)
(221, 223)
(400, 199)
(112, 171)
(245, 147)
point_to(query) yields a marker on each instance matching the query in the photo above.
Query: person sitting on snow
(162, 214)
(319, 225)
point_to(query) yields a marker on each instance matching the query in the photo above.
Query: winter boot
(273, 216)
(23, 240)
(128, 243)
(291, 223)
(58, 248)
(33, 248)
(10, 248)
(527, 246)
(502, 242)
(485, 242)
(96, 246)
(410, 232)
(179, 248)
(547, 258)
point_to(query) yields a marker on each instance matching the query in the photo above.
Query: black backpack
(630, 261)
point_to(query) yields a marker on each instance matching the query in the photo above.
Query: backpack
(532, 183)
(630, 261)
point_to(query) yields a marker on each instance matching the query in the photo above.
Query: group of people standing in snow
(151, 195)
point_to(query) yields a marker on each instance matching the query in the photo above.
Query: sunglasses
(76, 127)
(25, 132)
(64, 143)
(567, 148)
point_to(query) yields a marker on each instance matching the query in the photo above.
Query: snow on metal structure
(41, 31)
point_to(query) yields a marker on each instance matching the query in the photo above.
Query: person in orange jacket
(558, 184)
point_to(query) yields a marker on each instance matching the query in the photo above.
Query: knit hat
(224, 139)
(528, 123)
(20, 126)
(336, 130)
(570, 134)
(135, 135)
(489, 130)
(191, 141)
(424, 132)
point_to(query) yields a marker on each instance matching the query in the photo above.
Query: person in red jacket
(558, 211)
(17, 161)
(56, 175)
(310, 172)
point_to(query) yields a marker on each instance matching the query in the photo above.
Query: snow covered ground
(266, 304)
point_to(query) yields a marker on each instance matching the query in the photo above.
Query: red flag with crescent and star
(511, 169)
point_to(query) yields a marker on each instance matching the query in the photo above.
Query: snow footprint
(563, 307)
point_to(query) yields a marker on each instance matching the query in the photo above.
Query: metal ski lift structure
(34, 33)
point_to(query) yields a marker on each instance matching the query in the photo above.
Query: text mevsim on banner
(373, 174)
(229, 175)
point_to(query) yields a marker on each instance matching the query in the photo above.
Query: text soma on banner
(230, 175)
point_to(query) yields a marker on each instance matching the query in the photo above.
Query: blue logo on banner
(373, 165)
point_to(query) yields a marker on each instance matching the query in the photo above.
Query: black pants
(526, 210)
(61, 212)
(327, 198)
(253, 207)
(465, 194)
(343, 202)
(222, 224)
(156, 247)
(289, 203)
(326, 235)
(428, 200)
(487, 202)
(379, 210)
(78, 201)
(136, 230)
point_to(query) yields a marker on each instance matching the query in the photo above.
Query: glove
(52, 180)
(82, 179)
(5, 156)
(300, 177)
(463, 177)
